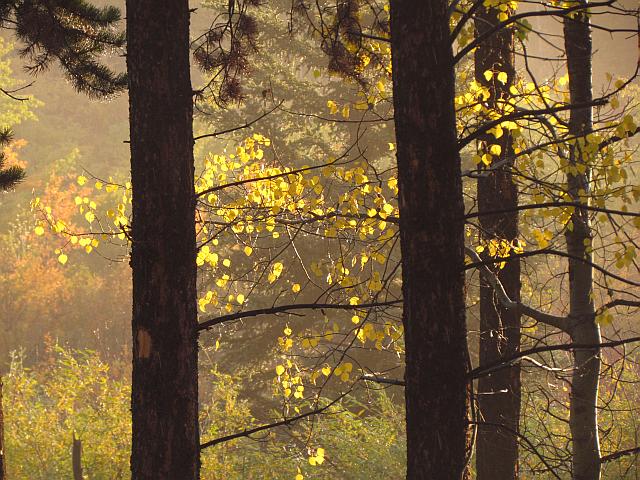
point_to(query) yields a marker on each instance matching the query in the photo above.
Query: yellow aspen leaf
(333, 108)
(503, 77)
(615, 103)
(226, 262)
(280, 370)
(326, 370)
(62, 258)
(248, 250)
(39, 230)
(82, 180)
(287, 330)
(240, 298)
(295, 287)
(345, 111)
(276, 271)
(604, 318)
(488, 75)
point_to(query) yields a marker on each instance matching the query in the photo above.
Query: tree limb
(289, 308)
(498, 288)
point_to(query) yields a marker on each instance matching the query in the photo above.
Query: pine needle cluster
(10, 176)
(71, 32)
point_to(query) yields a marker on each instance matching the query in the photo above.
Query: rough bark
(584, 329)
(165, 384)
(499, 392)
(431, 232)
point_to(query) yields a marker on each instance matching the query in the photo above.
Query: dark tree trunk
(499, 392)
(165, 382)
(3, 465)
(76, 458)
(431, 232)
(584, 329)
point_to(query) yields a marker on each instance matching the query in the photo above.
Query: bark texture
(165, 382)
(584, 329)
(498, 393)
(431, 232)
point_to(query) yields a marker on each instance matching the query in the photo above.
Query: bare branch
(487, 274)
(287, 421)
(290, 308)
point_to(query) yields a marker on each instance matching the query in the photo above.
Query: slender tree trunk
(584, 329)
(499, 392)
(165, 383)
(431, 233)
(76, 458)
(3, 465)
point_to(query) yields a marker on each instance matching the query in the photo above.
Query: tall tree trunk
(165, 382)
(499, 392)
(431, 233)
(584, 329)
